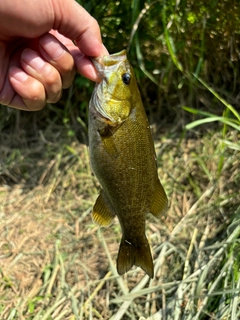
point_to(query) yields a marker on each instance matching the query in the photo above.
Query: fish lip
(105, 65)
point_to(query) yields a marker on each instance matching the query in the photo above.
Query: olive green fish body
(123, 159)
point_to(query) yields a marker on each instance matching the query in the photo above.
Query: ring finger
(35, 66)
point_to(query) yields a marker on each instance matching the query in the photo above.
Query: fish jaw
(111, 98)
(106, 65)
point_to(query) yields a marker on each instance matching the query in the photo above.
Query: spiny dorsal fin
(102, 213)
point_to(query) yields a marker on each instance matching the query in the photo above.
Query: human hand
(37, 55)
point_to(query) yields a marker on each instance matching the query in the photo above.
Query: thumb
(75, 23)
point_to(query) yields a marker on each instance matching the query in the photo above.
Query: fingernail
(51, 46)
(32, 59)
(19, 75)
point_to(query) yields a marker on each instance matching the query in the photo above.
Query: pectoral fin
(110, 146)
(106, 129)
(102, 213)
(159, 201)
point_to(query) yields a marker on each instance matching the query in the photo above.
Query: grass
(57, 264)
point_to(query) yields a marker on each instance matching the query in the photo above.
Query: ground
(55, 263)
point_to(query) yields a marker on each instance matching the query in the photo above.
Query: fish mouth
(105, 65)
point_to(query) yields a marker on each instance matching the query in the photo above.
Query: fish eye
(126, 77)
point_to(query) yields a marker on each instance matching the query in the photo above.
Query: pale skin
(37, 55)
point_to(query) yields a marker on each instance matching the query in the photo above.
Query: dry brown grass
(55, 263)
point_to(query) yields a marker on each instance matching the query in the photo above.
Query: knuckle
(52, 78)
(68, 64)
(36, 106)
(54, 98)
(95, 24)
(53, 87)
(36, 92)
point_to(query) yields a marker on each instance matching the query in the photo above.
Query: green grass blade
(212, 119)
(169, 40)
(223, 101)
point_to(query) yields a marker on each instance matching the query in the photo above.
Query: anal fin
(102, 213)
(159, 202)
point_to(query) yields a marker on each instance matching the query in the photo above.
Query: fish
(123, 158)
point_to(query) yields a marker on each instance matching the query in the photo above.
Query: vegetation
(55, 263)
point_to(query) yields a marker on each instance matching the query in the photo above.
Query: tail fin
(138, 255)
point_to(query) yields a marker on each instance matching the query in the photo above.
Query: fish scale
(123, 159)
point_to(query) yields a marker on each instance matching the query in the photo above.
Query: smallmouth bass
(122, 157)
